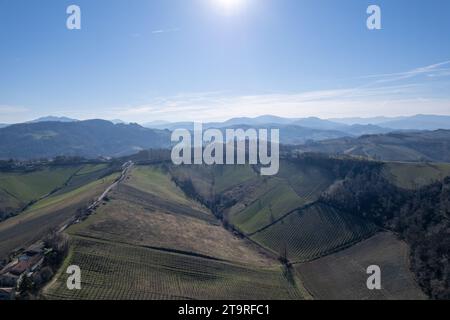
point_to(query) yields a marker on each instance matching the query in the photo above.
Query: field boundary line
(341, 248)
(306, 206)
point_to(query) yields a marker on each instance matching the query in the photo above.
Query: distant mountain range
(352, 126)
(417, 122)
(90, 139)
(289, 126)
(391, 139)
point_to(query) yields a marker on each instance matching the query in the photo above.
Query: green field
(279, 200)
(307, 181)
(313, 232)
(20, 188)
(270, 199)
(226, 177)
(415, 175)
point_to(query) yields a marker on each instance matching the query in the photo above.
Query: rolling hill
(150, 241)
(90, 139)
(420, 146)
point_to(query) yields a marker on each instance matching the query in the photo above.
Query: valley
(220, 232)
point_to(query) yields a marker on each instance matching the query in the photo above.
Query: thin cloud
(427, 70)
(386, 100)
(388, 95)
(160, 31)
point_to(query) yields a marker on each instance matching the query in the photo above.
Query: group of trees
(420, 217)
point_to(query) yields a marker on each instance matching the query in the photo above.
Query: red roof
(25, 265)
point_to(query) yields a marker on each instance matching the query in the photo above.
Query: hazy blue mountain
(317, 123)
(292, 134)
(364, 121)
(419, 122)
(3, 125)
(89, 139)
(53, 119)
(255, 121)
(279, 122)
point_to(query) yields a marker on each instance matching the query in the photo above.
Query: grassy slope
(226, 177)
(346, 271)
(153, 181)
(275, 203)
(295, 186)
(172, 247)
(210, 181)
(18, 189)
(415, 175)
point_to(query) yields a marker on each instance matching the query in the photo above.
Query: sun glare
(229, 6)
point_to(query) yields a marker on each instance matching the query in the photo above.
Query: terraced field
(415, 175)
(343, 275)
(313, 232)
(115, 271)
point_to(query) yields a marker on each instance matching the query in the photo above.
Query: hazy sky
(205, 60)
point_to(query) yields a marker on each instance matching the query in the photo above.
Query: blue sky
(196, 60)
